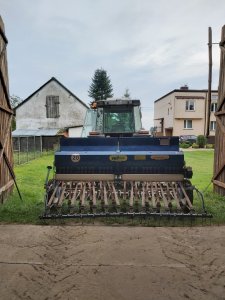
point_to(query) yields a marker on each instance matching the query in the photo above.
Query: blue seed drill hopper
(118, 169)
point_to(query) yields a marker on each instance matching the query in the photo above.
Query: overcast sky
(150, 47)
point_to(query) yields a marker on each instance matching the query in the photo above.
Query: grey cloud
(147, 46)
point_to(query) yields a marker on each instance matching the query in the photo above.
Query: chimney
(184, 87)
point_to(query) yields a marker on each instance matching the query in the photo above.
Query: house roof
(184, 91)
(52, 79)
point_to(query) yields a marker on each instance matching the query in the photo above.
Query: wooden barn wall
(6, 154)
(219, 158)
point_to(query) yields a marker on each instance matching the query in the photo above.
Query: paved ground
(98, 262)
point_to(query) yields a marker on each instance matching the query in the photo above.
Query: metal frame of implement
(104, 199)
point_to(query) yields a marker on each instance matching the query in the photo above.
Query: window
(213, 107)
(52, 106)
(214, 97)
(187, 124)
(118, 119)
(190, 105)
(213, 125)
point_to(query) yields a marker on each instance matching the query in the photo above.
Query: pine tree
(101, 87)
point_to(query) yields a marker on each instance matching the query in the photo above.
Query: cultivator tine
(153, 196)
(74, 197)
(115, 195)
(94, 196)
(124, 190)
(186, 196)
(61, 198)
(136, 196)
(89, 195)
(163, 197)
(57, 195)
(131, 202)
(174, 193)
(157, 195)
(168, 194)
(82, 203)
(106, 203)
(52, 197)
(179, 195)
(144, 199)
(143, 196)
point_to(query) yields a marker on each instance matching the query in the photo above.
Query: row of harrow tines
(105, 197)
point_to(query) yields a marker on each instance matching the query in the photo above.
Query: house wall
(197, 127)
(212, 115)
(197, 113)
(197, 116)
(32, 114)
(172, 109)
(75, 132)
(164, 109)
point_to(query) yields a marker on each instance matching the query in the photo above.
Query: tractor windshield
(118, 120)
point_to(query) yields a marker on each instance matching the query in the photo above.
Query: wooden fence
(219, 158)
(6, 113)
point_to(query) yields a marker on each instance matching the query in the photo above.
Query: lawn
(201, 162)
(31, 178)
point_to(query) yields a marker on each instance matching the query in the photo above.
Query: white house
(52, 110)
(52, 106)
(184, 112)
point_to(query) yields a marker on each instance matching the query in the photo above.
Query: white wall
(32, 114)
(172, 110)
(164, 109)
(75, 132)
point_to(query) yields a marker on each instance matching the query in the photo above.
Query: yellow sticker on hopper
(118, 158)
(160, 157)
(139, 157)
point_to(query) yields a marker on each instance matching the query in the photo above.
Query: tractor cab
(113, 118)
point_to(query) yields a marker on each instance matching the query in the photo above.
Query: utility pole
(209, 81)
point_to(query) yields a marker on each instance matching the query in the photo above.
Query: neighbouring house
(50, 112)
(184, 112)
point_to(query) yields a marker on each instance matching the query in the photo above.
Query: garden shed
(6, 113)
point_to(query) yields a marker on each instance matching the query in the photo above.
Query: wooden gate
(219, 157)
(6, 113)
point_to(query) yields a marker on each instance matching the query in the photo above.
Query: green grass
(24, 157)
(201, 162)
(31, 178)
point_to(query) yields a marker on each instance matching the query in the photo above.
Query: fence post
(19, 151)
(41, 144)
(34, 147)
(27, 148)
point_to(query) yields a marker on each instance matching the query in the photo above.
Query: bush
(195, 146)
(209, 146)
(201, 141)
(185, 145)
